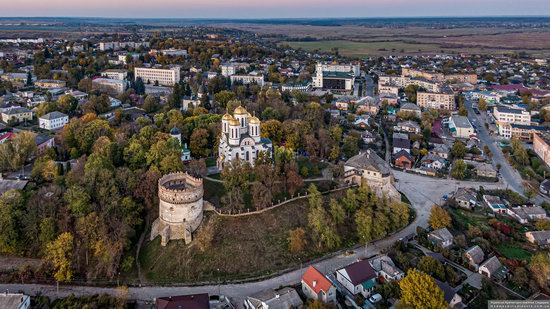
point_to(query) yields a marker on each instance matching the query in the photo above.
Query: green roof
(368, 284)
(336, 74)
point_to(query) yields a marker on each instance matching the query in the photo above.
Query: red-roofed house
(7, 136)
(358, 277)
(316, 286)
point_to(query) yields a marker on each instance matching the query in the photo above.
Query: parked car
(375, 298)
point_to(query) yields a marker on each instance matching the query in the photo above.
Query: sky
(229, 9)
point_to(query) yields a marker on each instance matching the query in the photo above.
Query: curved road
(422, 192)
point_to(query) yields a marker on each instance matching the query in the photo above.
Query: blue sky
(273, 9)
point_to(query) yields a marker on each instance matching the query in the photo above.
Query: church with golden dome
(241, 138)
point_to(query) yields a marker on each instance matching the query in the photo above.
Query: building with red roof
(316, 286)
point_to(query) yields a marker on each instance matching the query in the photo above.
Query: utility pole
(219, 287)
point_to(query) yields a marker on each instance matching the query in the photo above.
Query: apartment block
(436, 100)
(164, 77)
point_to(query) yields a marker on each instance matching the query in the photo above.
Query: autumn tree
(482, 104)
(59, 253)
(199, 143)
(294, 182)
(439, 218)
(15, 153)
(297, 240)
(419, 290)
(540, 269)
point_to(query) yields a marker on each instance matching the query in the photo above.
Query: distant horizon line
(285, 18)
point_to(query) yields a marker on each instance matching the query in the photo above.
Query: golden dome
(254, 120)
(240, 110)
(227, 117)
(234, 122)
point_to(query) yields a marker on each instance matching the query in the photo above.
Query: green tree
(337, 212)
(223, 97)
(459, 169)
(10, 204)
(458, 150)
(432, 267)
(364, 224)
(419, 290)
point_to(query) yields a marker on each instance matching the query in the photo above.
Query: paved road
(422, 191)
(509, 175)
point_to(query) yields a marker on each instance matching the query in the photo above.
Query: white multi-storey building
(506, 116)
(241, 138)
(103, 46)
(53, 121)
(229, 69)
(165, 77)
(111, 86)
(248, 79)
(335, 76)
(115, 74)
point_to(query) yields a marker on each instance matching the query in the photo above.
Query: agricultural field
(364, 49)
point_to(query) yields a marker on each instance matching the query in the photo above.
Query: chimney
(314, 283)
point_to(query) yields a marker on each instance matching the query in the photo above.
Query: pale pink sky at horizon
(271, 9)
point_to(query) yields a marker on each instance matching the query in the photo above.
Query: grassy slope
(241, 248)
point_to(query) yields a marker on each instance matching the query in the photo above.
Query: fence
(273, 206)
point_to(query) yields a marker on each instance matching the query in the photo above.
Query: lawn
(363, 49)
(240, 247)
(513, 252)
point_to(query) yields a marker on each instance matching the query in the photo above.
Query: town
(211, 167)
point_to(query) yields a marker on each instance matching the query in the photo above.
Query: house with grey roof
(540, 238)
(274, 299)
(411, 108)
(369, 168)
(441, 238)
(14, 301)
(526, 213)
(465, 198)
(53, 121)
(493, 269)
(475, 256)
(385, 268)
(450, 294)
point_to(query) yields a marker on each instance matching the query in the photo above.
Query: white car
(375, 298)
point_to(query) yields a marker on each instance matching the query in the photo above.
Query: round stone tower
(180, 207)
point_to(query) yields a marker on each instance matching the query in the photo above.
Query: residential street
(422, 191)
(509, 175)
